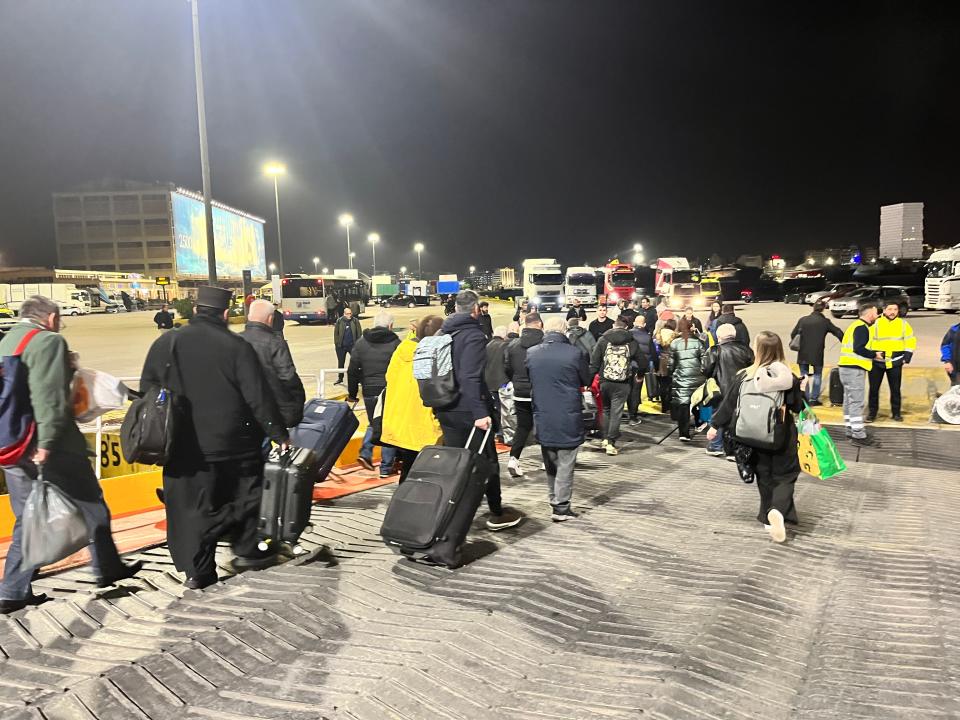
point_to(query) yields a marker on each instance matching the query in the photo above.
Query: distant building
(901, 231)
(154, 229)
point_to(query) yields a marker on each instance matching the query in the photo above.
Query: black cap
(214, 297)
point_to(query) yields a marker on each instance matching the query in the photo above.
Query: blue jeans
(73, 475)
(387, 454)
(717, 443)
(816, 379)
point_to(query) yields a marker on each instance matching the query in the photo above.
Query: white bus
(304, 297)
(581, 283)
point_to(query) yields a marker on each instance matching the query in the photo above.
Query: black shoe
(898, 418)
(9, 606)
(128, 572)
(563, 515)
(199, 583)
(871, 417)
(814, 403)
(257, 562)
(864, 442)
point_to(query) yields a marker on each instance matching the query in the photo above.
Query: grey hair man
(368, 368)
(276, 360)
(58, 449)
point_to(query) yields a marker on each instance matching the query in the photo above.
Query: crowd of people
(237, 394)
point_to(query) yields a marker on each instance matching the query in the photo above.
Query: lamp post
(350, 258)
(204, 152)
(418, 248)
(403, 271)
(316, 264)
(326, 271)
(272, 267)
(275, 170)
(346, 220)
(373, 238)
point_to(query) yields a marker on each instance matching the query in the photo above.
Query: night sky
(493, 130)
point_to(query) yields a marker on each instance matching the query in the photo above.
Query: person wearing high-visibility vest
(856, 361)
(892, 336)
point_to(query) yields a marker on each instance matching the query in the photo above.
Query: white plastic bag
(96, 393)
(53, 527)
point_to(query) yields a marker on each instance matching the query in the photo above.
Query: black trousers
(456, 428)
(207, 501)
(406, 458)
(633, 401)
(681, 413)
(342, 353)
(664, 392)
(776, 478)
(894, 377)
(524, 412)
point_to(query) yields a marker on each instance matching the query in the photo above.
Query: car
(915, 293)
(832, 292)
(73, 309)
(763, 289)
(404, 300)
(881, 294)
(795, 290)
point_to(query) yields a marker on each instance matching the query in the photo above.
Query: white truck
(581, 284)
(942, 286)
(72, 301)
(543, 284)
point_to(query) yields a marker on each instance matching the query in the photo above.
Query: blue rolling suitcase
(326, 428)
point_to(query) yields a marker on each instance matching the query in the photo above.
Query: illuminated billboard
(238, 237)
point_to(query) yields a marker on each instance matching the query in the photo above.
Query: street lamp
(326, 271)
(403, 270)
(346, 220)
(272, 267)
(473, 269)
(418, 248)
(373, 238)
(637, 247)
(316, 264)
(275, 170)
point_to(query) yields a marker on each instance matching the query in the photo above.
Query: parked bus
(304, 297)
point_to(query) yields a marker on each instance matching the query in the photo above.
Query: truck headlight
(613, 296)
(561, 300)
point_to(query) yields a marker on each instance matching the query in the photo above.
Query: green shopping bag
(817, 452)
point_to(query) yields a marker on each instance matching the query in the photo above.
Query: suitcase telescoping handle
(486, 436)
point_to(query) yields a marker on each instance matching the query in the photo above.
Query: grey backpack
(759, 420)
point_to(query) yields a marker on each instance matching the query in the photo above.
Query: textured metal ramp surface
(665, 599)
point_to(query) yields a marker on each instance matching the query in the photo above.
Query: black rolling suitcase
(431, 511)
(288, 480)
(836, 388)
(326, 428)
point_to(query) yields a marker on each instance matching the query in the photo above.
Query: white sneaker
(612, 450)
(513, 467)
(776, 528)
(603, 444)
(543, 466)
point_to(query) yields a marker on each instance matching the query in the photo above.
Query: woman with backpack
(775, 389)
(686, 374)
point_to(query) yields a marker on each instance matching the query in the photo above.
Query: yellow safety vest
(848, 358)
(892, 337)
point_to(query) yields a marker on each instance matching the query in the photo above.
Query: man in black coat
(494, 374)
(813, 330)
(645, 343)
(576, 311)
(649, 315)
(473, 407)
(276, 361)
(486, 322)
(557, 371)
(345, 335)
(728, 317)
(722, 362)
(213, 481)
(164, 318)
(368, 367)
(515, 366)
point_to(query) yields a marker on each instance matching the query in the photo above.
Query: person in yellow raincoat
(407, 424)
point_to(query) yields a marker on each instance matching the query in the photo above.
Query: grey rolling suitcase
(288, 480)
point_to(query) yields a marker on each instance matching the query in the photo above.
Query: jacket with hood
(686, 368)
(515, 361)
(369, 360)
(278, 367)
(743, 335)
(495, 375)
(557, 371)
(582, 338)
(813, 330)
(617, 336)
(469, 361)
(407, 423)
(662, 340)
(770, 378)
(722, 362)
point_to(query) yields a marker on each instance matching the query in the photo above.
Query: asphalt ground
(119, 343)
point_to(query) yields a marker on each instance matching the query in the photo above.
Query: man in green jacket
(345, 335)
(59, 451)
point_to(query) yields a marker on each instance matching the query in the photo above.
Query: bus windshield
(581, 279)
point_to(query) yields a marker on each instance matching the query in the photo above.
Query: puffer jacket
(722, 362)
(369, 360)
(515, 361)
(686, 368)
(407, 423)
(645, 343)
(582, 338)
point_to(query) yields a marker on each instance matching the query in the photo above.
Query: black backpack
(148, 429)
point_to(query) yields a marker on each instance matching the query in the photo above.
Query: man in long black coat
(813, 330)
(212, 483)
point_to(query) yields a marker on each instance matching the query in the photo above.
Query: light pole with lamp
(272, 268)
(403, 271)
(316, 264)
(346, 220)
(275, 170)
(418, 248)
(326, 271)
(373, 238)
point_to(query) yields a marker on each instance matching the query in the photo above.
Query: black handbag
(148, 429)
